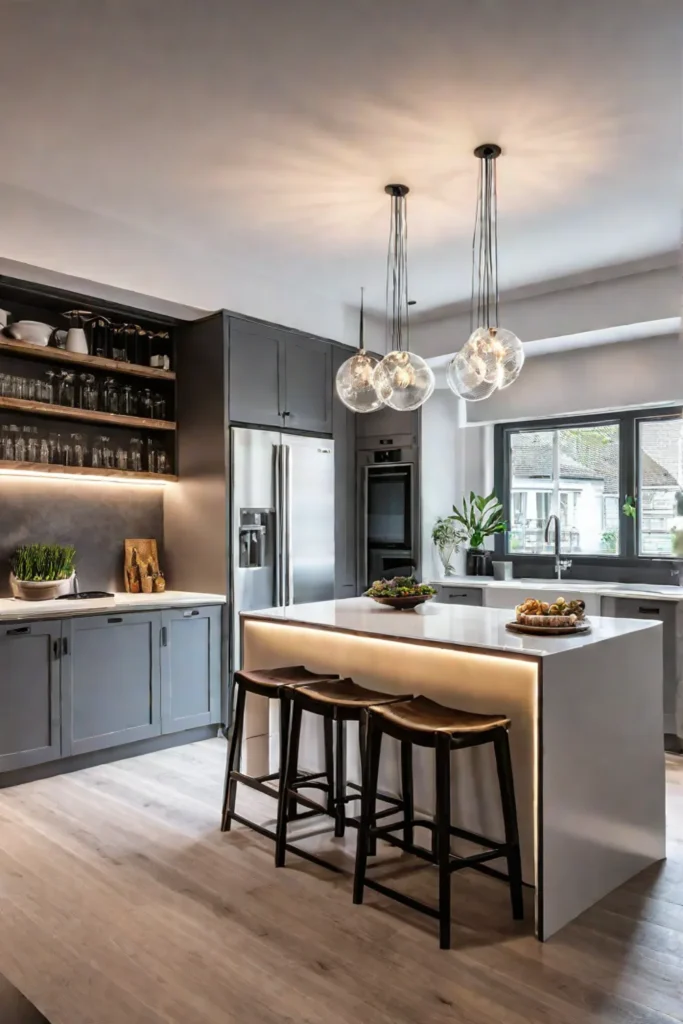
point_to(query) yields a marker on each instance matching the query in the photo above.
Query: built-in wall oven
(388, 528)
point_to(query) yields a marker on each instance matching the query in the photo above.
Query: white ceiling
(231, 154)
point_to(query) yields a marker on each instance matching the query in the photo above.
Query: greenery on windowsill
(478, 518)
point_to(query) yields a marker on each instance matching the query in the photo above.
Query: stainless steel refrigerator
(282, 530)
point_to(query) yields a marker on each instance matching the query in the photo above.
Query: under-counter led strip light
(90, 478)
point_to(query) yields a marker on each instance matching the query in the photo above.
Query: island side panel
(473, 681)
(602, 777)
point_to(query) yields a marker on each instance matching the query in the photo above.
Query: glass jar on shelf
(6, 443)
(110, 396)
(161, 461)
(135, 460)
(159, 407)
(88, 392)
(79, 449)
(151, 460)
(121, 459)
(44, 451)
(20, 445)
(128, 401)
(67, 454)
(145, 403)
(49, 386)
(32, 444)
(107, 453)
(66, 396)
(55, 445)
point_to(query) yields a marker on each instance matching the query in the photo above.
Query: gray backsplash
(95, 517)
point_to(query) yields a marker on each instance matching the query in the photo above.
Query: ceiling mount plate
(396, 190)
(488, 151)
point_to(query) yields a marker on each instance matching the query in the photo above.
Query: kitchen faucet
(560, 563)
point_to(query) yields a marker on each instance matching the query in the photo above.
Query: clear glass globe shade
(500, 350)
(404, 381)
(466, 375)
(355, 383)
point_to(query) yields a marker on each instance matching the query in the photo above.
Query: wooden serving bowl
(404, 603)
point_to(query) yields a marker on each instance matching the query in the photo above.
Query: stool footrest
(408, 901)
(384, 797)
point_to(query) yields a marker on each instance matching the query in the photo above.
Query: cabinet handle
(65, 647)
(115, 620)
(452, 597)
(648, 611)
(57, 648)
(286, 414)
(18, 630)
(195, 611)
(164, 636)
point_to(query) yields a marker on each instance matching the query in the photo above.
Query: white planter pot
(25, 591)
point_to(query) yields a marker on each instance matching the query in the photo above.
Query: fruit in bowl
(400, 592)
(533, 612)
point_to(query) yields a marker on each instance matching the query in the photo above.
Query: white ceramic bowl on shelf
(30, 331)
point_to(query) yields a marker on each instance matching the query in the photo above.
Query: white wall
(455, 459)
(619, 376)
(612, 297)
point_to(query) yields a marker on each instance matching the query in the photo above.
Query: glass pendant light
(492, 358)
(403, 379)
(355, 384)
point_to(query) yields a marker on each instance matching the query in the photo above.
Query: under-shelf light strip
(91, 478)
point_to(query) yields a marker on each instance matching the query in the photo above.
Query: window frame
(628, 422)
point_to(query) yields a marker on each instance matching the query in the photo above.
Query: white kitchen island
(586, 733)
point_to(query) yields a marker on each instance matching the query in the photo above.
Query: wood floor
(122, 903)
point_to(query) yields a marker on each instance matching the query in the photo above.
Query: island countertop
(444, 625)
(13, 610)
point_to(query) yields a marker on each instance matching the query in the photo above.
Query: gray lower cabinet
(190, 668)
(473, 596)
(111, 681)
(29, 694)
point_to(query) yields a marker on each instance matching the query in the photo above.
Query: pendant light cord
(484, 303)
(397, 326)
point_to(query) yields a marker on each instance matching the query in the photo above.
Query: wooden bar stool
(272, 683)
(427, 724)
(339, 701)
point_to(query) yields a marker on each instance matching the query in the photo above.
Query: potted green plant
(447, 538)
(41, 572)
(480, 517)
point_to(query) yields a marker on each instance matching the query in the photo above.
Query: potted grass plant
(479, 517)
(41, 572)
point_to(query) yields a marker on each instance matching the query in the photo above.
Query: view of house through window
(660, 461)
(572, 472)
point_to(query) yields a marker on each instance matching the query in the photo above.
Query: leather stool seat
(425, 715)
(348, 694)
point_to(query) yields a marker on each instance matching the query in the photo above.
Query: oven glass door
(389, 506)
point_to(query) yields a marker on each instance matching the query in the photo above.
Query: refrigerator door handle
(287, 516)
(278, 581)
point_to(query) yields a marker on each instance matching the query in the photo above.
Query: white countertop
(635, 590)
(12, 610)
(444, 624)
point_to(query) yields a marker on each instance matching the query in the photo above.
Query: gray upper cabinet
(190, 668)
(256, 383)
(111, 681)
(308, 384)
(279, 378)
(29, 693)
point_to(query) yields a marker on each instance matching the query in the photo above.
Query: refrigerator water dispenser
(254, 537)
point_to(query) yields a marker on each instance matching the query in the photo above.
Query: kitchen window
(583, 470)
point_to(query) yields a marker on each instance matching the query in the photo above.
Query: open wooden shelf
(65, 412)
(58, 355)
(88, 471)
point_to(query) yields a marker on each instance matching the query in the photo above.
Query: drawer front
(460, 595)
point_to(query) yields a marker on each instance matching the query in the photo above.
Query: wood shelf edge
(84, 415)
(59, 355)
(84, 471)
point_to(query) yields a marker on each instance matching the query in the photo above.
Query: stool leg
(443, 835)
(507, 795)
(368, 804)
(233, 762)
(329, 763)
(294, 741)
(363, 745)
(285, 716)
(340, 781)
(290, 776)
(407, 790)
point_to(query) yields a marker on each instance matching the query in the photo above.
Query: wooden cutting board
(145, 551)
